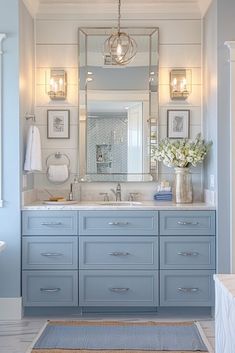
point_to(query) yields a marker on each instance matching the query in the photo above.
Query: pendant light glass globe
(120, 46)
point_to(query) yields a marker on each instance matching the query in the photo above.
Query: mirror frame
(152, 175)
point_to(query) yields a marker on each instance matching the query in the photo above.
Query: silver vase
(183, 186)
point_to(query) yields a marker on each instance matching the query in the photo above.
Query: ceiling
(130, 8)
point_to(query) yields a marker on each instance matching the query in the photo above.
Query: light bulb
(119, 50)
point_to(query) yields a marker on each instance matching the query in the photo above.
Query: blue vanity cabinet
(50, 258)
(118, 259)
(187, 258)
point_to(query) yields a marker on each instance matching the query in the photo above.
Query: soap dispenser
(71, 192)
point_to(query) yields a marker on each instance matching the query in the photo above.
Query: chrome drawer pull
(50, 290)
(188, 253)
(188, 290)
(119, 290)
(52, 224)
(118, 223)
(119, 253)
(181, 223)
(51, 254)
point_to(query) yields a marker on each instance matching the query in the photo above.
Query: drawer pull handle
(119, 253)
(50, 290)
(188, 290)
(51, 254)
(118, 223)
(119, 290)
(183, 223)
(52, 224)
(188, 253)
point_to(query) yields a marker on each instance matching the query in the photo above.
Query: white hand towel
(58, 173)
(33, 156)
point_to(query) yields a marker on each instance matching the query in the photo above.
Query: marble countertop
(144, 205)
(227, 281)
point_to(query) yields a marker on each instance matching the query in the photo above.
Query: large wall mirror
(118, 108)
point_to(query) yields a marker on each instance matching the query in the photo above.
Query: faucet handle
(106, 195)
(132, 196)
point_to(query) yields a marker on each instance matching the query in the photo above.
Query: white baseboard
(11, 309)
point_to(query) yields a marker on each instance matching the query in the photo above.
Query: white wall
(56, 45)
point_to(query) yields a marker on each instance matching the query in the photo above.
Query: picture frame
(178, 121)
(58, 124)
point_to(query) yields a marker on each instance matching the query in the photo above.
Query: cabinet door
(187, 252)
(118, 288)
(50, 253)
(118, 223)
(49, 223)
(186, 288)
(118, 252)
(187, 223)
(50, 288)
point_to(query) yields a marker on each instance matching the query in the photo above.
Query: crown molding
(32, 6)
(203, 6)
(155, 9)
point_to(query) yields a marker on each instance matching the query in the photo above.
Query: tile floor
(16, 336)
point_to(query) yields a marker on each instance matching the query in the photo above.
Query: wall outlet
(212, 181)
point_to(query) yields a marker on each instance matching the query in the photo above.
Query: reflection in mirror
(118, 108)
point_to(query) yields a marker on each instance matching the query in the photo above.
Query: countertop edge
(147, 205)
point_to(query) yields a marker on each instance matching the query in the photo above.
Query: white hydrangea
(182, 153)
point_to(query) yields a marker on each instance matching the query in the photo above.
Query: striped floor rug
(119, 337)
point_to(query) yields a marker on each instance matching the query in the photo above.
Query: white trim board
(11, 309)
(231, 46)
(2, 36)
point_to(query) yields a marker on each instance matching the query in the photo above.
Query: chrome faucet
(118, 192)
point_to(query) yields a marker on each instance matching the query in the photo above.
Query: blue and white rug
(90, 336)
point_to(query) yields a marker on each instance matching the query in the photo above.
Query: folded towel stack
(163, 196)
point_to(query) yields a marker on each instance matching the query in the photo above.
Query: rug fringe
(30, 348)
(204, 338)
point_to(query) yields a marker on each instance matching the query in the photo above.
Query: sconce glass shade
(180, 84)
(57, 85)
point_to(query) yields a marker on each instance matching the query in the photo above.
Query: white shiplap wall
(56, 46)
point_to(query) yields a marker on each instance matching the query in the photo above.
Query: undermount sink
(119, 203)
(2, 245)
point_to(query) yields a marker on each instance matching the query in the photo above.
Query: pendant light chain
(119, 15)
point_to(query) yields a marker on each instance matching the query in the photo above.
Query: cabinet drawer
(118, 252)
(50, 253)
(49, 223)
(186, 288)
(118, 223)
(187, 223)
(50, 288)
(187, 252)
(118, 288)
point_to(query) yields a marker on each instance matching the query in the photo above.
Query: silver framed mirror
(118, 108)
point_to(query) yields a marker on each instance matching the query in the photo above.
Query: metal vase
(183, 186)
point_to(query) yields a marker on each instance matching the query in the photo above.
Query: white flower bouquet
(182, 153)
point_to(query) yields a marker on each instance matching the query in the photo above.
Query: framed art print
(58, 124)
(178, 123)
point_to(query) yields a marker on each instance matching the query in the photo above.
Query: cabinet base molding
(11, 309)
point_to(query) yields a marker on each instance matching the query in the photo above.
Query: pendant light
(120, 46)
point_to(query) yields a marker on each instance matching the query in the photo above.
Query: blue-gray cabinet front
(126, 258)
(118, 223)
(118, 288)
(50, 288)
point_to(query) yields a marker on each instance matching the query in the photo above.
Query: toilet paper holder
(55, 157)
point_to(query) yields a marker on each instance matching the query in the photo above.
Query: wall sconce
(180, 83)
(57, 89)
